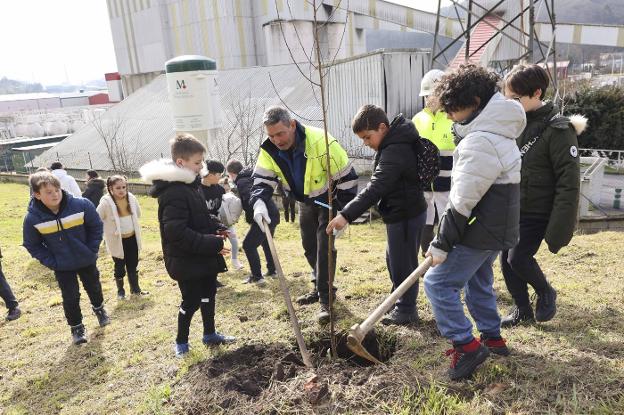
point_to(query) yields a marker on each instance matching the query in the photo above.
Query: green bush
(604, 108)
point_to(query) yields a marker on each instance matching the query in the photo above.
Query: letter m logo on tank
(193, 93)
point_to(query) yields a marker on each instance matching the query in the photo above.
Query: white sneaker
(236, 264)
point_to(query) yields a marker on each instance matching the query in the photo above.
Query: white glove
(260, 213)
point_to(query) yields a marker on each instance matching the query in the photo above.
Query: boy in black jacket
(397, 191)
(192, 239)
(255, 237)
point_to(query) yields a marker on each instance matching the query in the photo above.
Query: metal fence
(615, 163)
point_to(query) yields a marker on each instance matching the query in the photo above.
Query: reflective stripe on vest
(315, 177)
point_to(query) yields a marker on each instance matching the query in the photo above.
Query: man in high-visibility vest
(436, 127)
(295, 156)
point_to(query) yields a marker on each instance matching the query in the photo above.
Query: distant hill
(608, 12)
(11, 86)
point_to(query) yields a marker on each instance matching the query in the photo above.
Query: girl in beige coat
(120, 212)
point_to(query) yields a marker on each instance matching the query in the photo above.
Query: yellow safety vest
(315, 177)
(436, 127)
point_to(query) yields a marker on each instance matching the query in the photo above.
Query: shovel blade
(354, 342)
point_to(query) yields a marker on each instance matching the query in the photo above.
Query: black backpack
(427, 158)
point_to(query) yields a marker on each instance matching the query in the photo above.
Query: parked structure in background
(245, 33)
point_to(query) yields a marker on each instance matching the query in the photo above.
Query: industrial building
(255, 43)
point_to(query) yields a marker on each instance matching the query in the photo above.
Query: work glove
(260, 213)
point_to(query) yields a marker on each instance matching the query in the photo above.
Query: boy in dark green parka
(549, 192)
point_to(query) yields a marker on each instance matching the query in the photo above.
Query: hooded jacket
(484, 202)
(107, 209)
(94, 190)
(551, 172)
(68, 183)
(63, 241)
(244, 182)
(394, 185)
(187, 230)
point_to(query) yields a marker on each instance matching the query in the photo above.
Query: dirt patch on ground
(240, 380)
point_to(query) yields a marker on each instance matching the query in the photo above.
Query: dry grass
(574, 364)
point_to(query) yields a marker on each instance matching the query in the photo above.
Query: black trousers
(402, 257)
(518, 264)
(129, 263)
(313, 220)
(197, 294)
(254, 238)
(5, 292)
(70, 291)
(130, 260)
(289, 208)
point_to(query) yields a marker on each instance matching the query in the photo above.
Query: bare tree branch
(286, 105)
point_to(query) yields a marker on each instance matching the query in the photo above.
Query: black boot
(133, 280)
(79, 335)
(101, 315)
(121, 292)
(518, 315)
(546, 304)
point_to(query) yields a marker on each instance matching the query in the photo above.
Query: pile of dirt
(234, 377)
(234, 380)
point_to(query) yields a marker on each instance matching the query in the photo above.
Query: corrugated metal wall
(388, 79)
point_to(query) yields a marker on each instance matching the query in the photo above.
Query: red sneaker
(466, 358)
(496, 345)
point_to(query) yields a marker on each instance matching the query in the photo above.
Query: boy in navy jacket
(64, 232)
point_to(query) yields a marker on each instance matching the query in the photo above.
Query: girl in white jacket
(120, 212)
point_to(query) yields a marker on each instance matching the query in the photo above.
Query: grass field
(573, 364)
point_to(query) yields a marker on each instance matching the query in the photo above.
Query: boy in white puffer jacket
(481, 218)
(120, 211)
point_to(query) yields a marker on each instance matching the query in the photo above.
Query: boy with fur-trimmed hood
(192, 239)
(481, 218)
(549, 192)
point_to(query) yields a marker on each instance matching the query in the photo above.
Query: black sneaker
(323, 315)
(399, 318)
(78, 334)
(463, 363)
(270, 274)
(546, 305)
(496, 345)
(14, 314)
(102, 316)
(518, 315)
(309, 298)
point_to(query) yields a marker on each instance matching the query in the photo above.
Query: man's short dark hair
(234, 166)
(276, 114)
(459, 89)
(42, 178)
(525, 80)
(214, 167)
(369, 117)
(56, 165)
(184, 146)
(92, 174)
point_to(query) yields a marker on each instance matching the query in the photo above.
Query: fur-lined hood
(166, 170)
(579, 122)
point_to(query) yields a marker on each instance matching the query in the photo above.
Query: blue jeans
(470, 269)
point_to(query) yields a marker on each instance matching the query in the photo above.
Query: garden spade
(358, 331)
(291, 311)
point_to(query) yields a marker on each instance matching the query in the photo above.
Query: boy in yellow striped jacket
(64, 233)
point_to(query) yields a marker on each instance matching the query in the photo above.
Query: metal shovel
(305, 355)
(358, 331)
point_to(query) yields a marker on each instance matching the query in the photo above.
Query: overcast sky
(54, 41)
